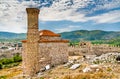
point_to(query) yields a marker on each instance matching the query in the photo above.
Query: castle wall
(56, 52)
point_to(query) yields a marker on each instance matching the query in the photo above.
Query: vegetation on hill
(10, 62)
(90, 35)
(9, 35)
(96, 36)
(113, 41)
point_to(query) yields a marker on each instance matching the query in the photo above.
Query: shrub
(7, 61)
(3, 77)
(17, 58)
(1, 65)
(96, 62)
(10, 62)
(109, 69)
(41, 78)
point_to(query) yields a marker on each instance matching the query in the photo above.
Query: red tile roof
(48, 33)
(24, 41)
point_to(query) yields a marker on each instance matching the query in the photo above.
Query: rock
(47, 67)
(39, 74)
(75, 66)
(68, 64)
(71, 61)
(97, 69)
(108, 57)
(87, 69)
(94, 66)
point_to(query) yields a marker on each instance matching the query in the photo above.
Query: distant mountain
(9, 35)
(73, 35)
(90, 35)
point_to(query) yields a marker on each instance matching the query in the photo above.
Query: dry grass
(97, 75)
(10, 72)
(65, 73)
(111, 71)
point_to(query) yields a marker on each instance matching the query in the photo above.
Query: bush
(7, 61)
(3, 77)
(10, 62)
(17, 58)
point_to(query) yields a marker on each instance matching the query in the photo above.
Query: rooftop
(48, 33)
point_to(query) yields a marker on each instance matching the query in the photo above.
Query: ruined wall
(93, 49)
(56, 52)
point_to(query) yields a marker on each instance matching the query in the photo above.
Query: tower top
(32, 10)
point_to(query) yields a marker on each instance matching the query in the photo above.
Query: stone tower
(30, 56)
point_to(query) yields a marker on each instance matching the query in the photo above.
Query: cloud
(13, 27)
(64, 10)
(67, 29)
(107, 4)
(60, 11)
(52, 15)
(13, 14)
(110, 17)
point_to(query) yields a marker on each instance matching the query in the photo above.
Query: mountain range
(72, 35)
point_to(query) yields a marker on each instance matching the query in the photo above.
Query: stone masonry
(41, 47)
(30, 53)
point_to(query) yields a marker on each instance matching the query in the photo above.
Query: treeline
(10, 40)
(114, 41)
(10, 62)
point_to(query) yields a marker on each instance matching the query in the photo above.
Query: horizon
(65, 31)
(61, 15)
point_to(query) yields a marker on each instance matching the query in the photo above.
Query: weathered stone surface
(57, 52)
(30, 48)
(41, 49)
(75, 66)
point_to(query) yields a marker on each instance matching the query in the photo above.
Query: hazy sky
(61, 15)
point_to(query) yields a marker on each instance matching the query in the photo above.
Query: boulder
(87, 69)
(47, 67)
(75, 66)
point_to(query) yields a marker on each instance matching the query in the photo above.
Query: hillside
(73, 35)
(9, 35)
(90, 35)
